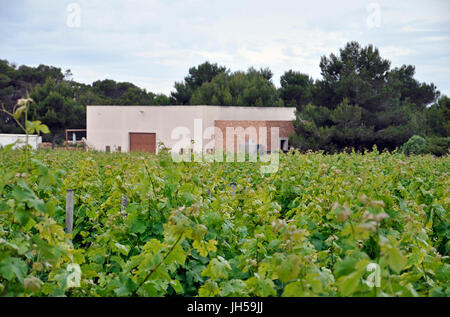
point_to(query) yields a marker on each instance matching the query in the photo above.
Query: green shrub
(437, 146)
(415, 145)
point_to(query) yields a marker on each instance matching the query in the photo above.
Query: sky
(153, 43)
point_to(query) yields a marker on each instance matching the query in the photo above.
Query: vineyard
(372, 224)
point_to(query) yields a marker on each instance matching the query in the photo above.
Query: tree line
(359, 101)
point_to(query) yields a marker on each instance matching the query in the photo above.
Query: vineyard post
(124, 202)
(69, 211)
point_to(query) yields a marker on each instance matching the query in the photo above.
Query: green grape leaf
(395, 259)
(217, 268)
(11, 267)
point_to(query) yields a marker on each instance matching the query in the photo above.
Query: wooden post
(124, 202)
(69, 211)
(124, 205)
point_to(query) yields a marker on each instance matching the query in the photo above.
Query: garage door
(143, 142)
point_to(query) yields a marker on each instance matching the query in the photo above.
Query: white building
(141, 128)
(20, 139)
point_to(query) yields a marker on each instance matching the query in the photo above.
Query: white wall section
(33, 140)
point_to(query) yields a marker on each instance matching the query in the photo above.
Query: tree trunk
(53, 141)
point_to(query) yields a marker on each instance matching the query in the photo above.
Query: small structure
(19, 140)
(74, 137)
(211, 128)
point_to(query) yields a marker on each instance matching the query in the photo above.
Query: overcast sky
(153, 43)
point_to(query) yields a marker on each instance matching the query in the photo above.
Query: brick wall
(285, 129)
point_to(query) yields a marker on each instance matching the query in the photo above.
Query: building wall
(111, 125)
(33, 140)
(285, 128)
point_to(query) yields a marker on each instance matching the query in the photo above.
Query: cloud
(153, 43)
(395, 51)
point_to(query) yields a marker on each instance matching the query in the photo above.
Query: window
(284, 145)
(108, 149)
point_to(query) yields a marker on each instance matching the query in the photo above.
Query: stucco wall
(111, 125)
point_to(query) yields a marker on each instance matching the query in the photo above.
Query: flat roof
(172, 106)
(23, 135)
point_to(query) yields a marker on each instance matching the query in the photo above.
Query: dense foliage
(360, 101)
(321, 226)
(197, 76)
(251, 88)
